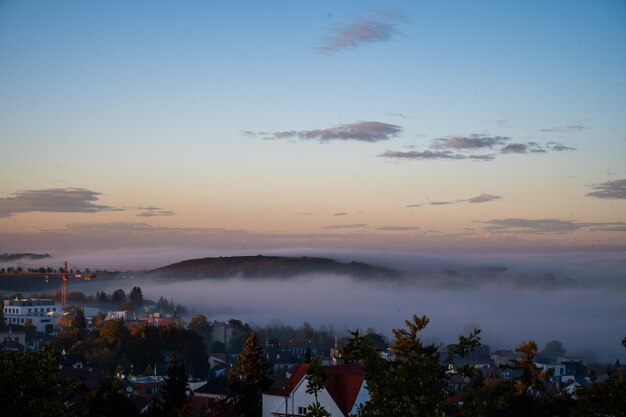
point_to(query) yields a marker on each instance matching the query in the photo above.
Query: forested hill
(266, 267)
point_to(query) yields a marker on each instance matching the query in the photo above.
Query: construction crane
(65, 278)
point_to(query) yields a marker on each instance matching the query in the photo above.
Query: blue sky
(244, 125)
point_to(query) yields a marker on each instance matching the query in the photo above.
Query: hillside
(266, 266)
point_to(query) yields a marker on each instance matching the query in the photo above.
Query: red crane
(65, 278)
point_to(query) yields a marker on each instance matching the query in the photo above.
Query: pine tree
(176, 389)
(316, 377)
(249, 378)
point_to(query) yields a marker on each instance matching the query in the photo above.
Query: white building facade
(43, 313)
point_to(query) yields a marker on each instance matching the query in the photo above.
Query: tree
(552, 351)
(603, 398)
(316, 377)
(201, 326)
(240, 333)
(28, 384)
(176, 389)
(118, 297)
(108, 399)
(410, 384)
(249, 378)
(73, 318)
(532, 379)
(135, 298)
(102, 297)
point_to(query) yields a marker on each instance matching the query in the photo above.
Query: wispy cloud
(398, 228)
(155, 212)
(532, 147)
(430, 155)
(610, 190)
(400, 115)
(548, 226)
(483, 198)
(360, 32)
(54, 200)
(343, 213)
(457, 147)
(567, 128)
(346, 226)
(413, 205)
(364, 131)
(559, 147)
(475, 141)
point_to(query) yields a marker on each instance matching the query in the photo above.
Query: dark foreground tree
(249, 378)
(108, 399)
(606, 397)
(176, 389)
(411, 383)
(316, 377)
(28, 385)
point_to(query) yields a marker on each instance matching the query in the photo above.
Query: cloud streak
(483, 198)
(610, 190)
(455, 148)
(345, 226)
(358, 33)
(398, 228)
(53, 200)
(567, 128)
(433, 155)
(548, 226)
(363, 131)
(474, 141)
(154, 212)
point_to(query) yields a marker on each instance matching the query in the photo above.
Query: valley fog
(576, 298)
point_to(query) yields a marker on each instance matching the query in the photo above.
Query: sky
(440, 127)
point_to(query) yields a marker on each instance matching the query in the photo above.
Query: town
(120, 354)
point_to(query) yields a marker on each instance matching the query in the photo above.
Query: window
(302, 410)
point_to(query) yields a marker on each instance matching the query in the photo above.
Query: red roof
(343, 383)
(297, 375)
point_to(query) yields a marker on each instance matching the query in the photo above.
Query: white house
(559, 369)
(345, 390)
(43, 313)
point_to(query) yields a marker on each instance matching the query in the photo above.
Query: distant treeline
(8, 257)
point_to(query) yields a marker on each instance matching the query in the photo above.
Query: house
(344, 391)
(281, 360)
(298, 348)
(215, 388)
(147, 385)
(157, 320)
(13, 341)
(557, 369)
(42, 313)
